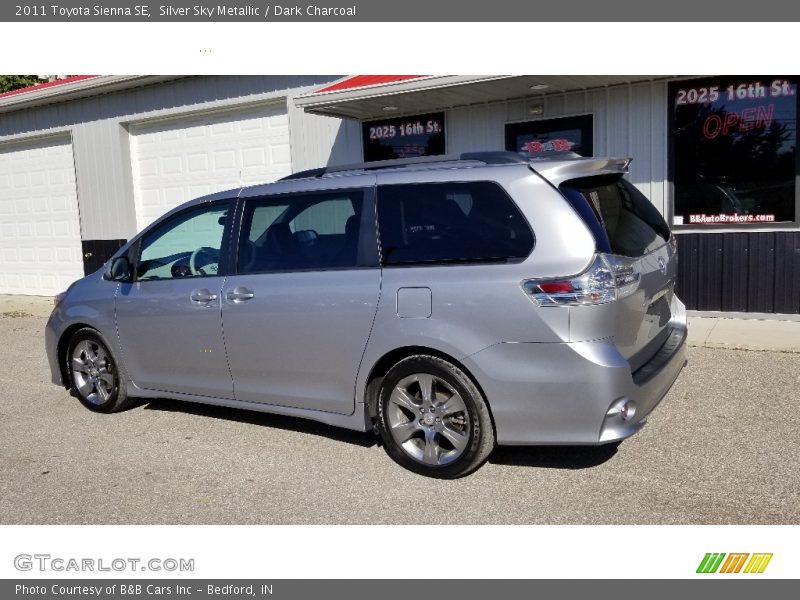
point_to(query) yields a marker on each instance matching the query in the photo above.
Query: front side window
(186, 246)
(450, 223)
(733, 146)
(301, 232)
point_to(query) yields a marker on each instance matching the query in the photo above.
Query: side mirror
(120, 270)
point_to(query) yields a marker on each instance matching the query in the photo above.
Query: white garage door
(40, 236)
(177, 160)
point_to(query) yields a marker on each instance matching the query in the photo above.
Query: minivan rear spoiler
(559, 171)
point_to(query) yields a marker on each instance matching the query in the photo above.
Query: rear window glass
(621, 218)
(450, 223)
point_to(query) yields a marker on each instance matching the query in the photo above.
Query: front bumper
(51, 337)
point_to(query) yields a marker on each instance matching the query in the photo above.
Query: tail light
(607, 279)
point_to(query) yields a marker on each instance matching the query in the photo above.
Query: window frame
(450, 263)
(682, 228)
(168, 220)
(367, 255)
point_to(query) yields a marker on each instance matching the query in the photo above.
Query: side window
(301, 232)
(186, 246)
(450, 222)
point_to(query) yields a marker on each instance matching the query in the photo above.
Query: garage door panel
(185, 158)
(40, 245)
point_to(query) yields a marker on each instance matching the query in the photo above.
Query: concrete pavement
(778, 333)
(745, 334)
(720, 449)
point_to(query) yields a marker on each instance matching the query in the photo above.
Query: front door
(169, 318)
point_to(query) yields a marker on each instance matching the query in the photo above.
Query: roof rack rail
(499, 157)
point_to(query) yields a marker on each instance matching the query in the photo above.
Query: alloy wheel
(428, 419)
(92, 372)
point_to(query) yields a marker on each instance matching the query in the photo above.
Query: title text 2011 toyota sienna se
(451, 304)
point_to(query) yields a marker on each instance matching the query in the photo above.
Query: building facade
(87, 162)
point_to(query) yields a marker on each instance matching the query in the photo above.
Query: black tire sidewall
(93, 336)
(480, 425)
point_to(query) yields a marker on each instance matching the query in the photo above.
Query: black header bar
(463, 11)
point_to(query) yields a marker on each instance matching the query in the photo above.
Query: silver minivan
(449, 304)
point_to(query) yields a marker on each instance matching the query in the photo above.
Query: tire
(433, 419)
(94, 373)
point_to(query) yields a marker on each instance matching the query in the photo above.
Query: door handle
(202, 296)
(239, 294)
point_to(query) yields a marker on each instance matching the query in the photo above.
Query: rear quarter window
(469, 222)
(622, 219)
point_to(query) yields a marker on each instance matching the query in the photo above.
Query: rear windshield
(464, 222)
(621, 218)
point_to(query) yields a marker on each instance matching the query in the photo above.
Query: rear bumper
(553, 393)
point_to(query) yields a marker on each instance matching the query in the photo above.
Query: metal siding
(618, 122)
(709, 275)
(317, 141)
(761, 266)
(688, 258)
(105, 190)
(657, 92)
(734, 277)
(740, 271)
(787, 272)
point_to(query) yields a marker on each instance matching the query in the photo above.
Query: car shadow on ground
(357, 438)
(553, 457)
(548, 457)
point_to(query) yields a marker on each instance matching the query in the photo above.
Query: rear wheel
(94, 373)
(432, 418)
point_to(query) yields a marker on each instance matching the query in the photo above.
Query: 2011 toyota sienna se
(450, 304)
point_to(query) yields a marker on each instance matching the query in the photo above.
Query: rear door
(627, 226)
(299, 309)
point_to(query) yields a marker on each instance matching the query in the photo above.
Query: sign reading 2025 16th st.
(749, 90)
(404, 137)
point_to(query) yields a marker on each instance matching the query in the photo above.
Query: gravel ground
(722, 448)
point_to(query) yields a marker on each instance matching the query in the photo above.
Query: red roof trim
(47, 84)
(359, 81)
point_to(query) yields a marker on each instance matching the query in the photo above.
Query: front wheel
(433, 419)
(94, 374)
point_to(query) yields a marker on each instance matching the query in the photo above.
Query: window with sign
(733, 151)
(548, 136)
(404, 137)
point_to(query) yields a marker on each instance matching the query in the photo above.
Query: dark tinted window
(621, 218)
(301, 231)
(547, 136)
(450, 222)
(733, 150)
(404, 137)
